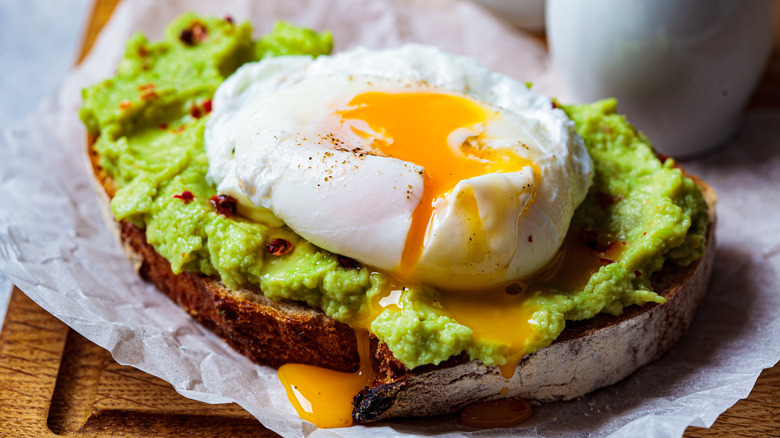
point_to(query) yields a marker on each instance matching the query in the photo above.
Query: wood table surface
(54, 382)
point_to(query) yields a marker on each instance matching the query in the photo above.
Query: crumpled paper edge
(32, 266)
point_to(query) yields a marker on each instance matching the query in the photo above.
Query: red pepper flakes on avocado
(196, 33)
(279, 247)
(348, 263)
(225, 205)
(185, 196)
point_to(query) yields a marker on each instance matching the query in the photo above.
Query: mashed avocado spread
(639, 214)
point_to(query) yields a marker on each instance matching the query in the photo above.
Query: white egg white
(275, 137)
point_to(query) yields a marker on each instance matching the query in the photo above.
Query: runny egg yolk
(323, 396)
(426, 129)
(501, 315)
(422, 128)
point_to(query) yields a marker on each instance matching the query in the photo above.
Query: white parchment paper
(55, 247)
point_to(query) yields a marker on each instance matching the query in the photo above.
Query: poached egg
(411, 160)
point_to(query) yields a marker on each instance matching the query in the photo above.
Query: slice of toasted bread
(588, 355)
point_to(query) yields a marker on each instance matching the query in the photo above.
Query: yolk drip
(415, 127)
(498, 316)
(322, 396)
(387, 299)
(504, 315)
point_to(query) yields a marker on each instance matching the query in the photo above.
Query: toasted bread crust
(587, 356)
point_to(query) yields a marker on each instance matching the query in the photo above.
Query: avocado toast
(282, 330)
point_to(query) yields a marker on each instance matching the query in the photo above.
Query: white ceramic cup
(682, 70)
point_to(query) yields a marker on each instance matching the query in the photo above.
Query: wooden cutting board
(54, 382)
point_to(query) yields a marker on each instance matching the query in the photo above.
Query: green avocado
(150, 119)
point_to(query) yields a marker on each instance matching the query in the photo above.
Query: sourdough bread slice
(587, 355)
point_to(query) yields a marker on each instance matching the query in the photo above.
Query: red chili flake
(224, 204)
(179, 130)
(229, 19)
(530, 238)
(149, 94)
(185, 196)
(143, 51)
(207, 106)
(279, 247)
(163, 126)
(590, 238)
(144, 87)
(195, 112)
(194, 34)
(637, 274)
(125, 104)
(606, 261)
(186, 37)
(200, 32)
(347, 263)
(555, 104)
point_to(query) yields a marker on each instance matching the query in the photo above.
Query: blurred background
(39, 42)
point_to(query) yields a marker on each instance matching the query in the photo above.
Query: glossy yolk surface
(416, 127)
(504, 314)
(498, 315)
(322, 396)
(575, 264)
